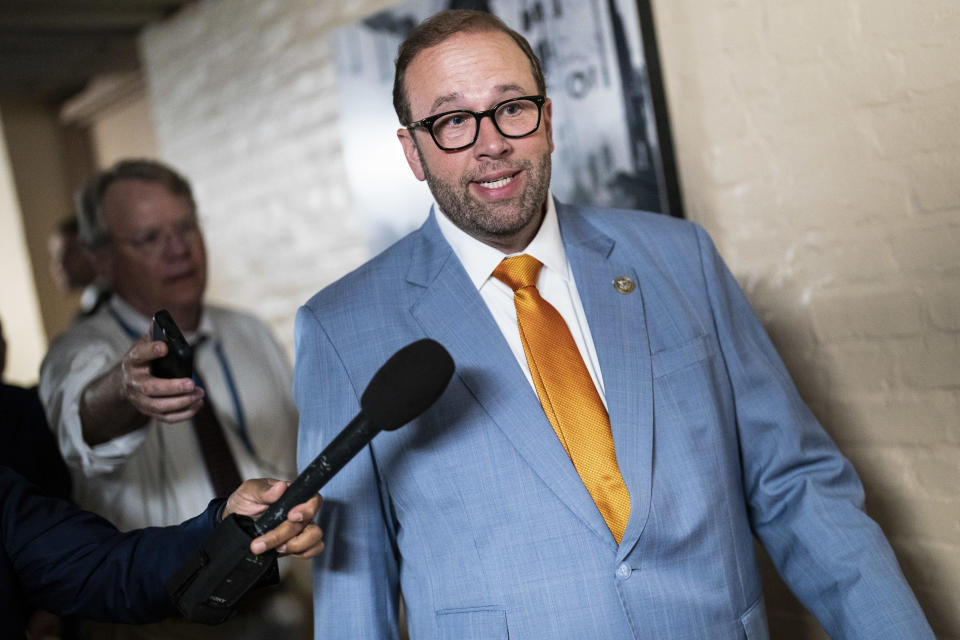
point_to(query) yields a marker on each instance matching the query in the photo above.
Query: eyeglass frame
(182, 231)
(427, 123)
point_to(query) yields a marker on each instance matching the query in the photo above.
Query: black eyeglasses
(455, 130)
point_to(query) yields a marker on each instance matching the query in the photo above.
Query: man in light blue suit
(474, 511)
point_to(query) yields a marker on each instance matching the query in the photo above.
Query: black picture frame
(623, 45)
(672, 195)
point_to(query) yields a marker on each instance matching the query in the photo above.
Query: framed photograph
(610, 124)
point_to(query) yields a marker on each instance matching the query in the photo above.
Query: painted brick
(925, 23)
(868, 314)
(933, 363)
(857, 368)
(860, 260)
(936, 249)
(932, 468)
(943, 303)
(934, 182)
(868, 76)
(922, 64)
(905, 129)
(911, 517)
(929, 564)
(897, 418)
(798, 33)
(885, 473)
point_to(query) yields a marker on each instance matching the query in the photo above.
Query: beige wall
(123, 130)
(37, 148)
(817, 141)
(48, 159)
(19, 306)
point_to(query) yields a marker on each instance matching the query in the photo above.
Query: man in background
(148, 451)
(72, 268)
(619, 428)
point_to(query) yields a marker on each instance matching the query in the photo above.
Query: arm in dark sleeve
(71, 561)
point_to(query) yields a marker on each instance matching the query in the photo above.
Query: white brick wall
(245, 104)
(818, 141)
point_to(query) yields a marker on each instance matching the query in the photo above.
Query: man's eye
(149, 239)
(455, 120)
(186, 227)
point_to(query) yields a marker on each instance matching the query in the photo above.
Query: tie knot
(518, 272)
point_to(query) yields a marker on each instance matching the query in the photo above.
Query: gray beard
(485, 221)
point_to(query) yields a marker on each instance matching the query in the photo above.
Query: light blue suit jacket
(478, 515)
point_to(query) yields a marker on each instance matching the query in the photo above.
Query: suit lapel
(619, 331)
(452, 312)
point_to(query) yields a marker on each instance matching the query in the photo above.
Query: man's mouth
(493, 180)
(180, 276)
(496, 184)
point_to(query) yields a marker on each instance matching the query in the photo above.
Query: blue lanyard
(227, 376)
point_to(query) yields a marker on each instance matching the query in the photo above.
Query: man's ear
(103, 261)
(411, 152)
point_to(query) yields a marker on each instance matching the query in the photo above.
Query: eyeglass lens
(514, 118)
(156, 239)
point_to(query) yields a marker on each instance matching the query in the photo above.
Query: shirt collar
(480, 259)
(133, 320)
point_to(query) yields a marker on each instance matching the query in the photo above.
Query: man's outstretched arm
(73, 562)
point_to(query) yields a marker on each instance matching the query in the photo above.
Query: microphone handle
(347, 444)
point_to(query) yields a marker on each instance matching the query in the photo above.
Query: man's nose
(175, 243)
(490, 142)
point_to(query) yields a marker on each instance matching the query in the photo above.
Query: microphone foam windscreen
(407, 384)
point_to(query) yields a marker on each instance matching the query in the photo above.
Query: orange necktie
(567, 393)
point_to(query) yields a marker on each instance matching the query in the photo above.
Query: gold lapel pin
(624, 285)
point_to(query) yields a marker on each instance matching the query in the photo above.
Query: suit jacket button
(624, 571)
(624, 285)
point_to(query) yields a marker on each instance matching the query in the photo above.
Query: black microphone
(207, 586)
(403, 388)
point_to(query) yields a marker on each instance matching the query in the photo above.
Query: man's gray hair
(89, 199)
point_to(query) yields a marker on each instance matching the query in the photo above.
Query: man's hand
(167, 400)
(126, 396)
(298, 536)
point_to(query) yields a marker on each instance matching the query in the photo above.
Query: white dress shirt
(555, 284)
(156, 474)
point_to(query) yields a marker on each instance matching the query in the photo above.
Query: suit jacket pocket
(754, 621)
(473, 623)
(667, 361)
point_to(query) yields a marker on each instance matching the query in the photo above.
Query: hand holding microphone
(207, 587)
(403, 388)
